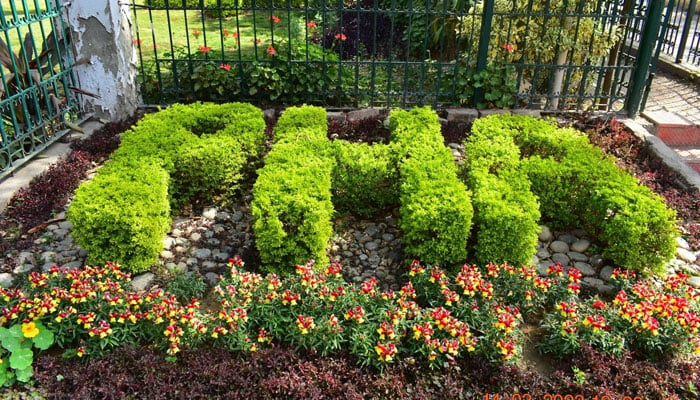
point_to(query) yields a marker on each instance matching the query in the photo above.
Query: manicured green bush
(209, 169)
(506, 213)
(291, 205)
(164, 145)
(436, 209)
(123, 213)
(364, 179)
(579, 186)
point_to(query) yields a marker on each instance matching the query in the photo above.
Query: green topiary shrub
(436, 209)
(579, 186)
(364, 179)
(126, 195)
(123, 213)
(291, 205)
(209, 169)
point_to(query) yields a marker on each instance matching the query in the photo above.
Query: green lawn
(162, 32)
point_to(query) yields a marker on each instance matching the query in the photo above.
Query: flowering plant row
(435, 317)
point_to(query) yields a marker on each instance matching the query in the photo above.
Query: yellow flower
(29, 330)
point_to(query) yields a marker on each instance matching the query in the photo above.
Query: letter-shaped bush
(436, 209)
(292, 206)
(579, 186)
(123, 213)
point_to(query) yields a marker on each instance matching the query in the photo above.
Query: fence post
(650, 35)
(686, 30)
(100, 31)
(483, 53)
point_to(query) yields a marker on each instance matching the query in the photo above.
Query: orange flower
(204, 49)
(311, 25)
(225, 67)
(196, 33)
(275, 19)
(341, 36)
(507, 47)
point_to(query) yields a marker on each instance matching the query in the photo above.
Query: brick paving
(682, 97)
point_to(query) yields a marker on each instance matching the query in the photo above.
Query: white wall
(101, 33)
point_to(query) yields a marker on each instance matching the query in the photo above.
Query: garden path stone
(580, 245)
(6, 279)
(210, 213)
(143, 281)
(567, 238)
(682, 243)
(559, 246)
(585, 268)
(686, 255)
(606, 272)
(545, 234)
(576, 256)
(560, 258)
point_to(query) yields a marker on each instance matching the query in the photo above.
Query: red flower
(275, 19)
(311, 25)
(507, 47)
(341, 36)
(204, 49)
(196, 33)
(226, 67)
(271, 51)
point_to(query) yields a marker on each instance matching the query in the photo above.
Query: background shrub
(123, 213)
(364, 179)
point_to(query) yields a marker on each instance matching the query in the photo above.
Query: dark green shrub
(123, 214)
(364, 179)
(292, 206)
(210, 168)
(436, 209)
(187, 286)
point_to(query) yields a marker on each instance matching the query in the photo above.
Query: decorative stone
(221, 256)
(462, 115)
(23, 269)
(371, 246)
(596, 260)
(6, 279)
(595, 282)
(237, 216)
(73, 264)
(686, 255)
(25, 257)
(67, 225)
(566, 238)
(209, 265)
(694, 281)
(682, 243)
(168, 242)
(202, 254)
(575, 256)
(48, 256)
(606, 273)
(585, 268)
(212, 278)
(543, 253)
(559, 246)
(365, 113)
(60, 233)
(195, 236)
(176, 232)
(580, 245)
(143, 281)
(223, 216)
(387, 237)
(209, 213)
(545, 234)
(560, 258)
(167, 255)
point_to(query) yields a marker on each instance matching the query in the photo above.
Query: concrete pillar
(101, 34)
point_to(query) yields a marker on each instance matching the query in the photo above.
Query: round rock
(580, 245)
(585, 268)
(545, 234)
(576, 256)
(606, 273)
(142, 281)
(694, 281)
(210, 213)
(6, 279)
(685, 255)
(542, 267)
(371, 245)
(560, 258)
(559, 246)
(567, 238)
(202, 254)
(682, 243)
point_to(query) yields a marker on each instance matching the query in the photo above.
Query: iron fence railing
(35, 75)
(542, 54)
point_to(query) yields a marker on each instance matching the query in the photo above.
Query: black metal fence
(541, 54)
(36, 78)
(681, 40)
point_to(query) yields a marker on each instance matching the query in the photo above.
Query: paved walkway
(680, 96)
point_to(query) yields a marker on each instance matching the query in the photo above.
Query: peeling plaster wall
(101, 33)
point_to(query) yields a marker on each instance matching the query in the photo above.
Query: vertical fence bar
(690, 14)
(484, 38)
(650, 34)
